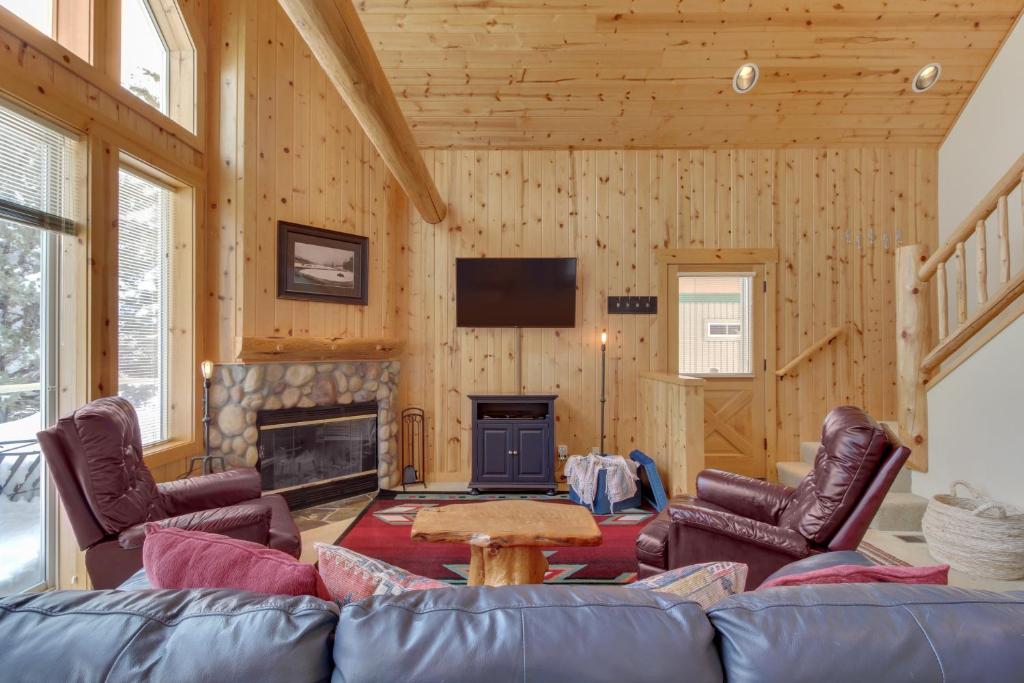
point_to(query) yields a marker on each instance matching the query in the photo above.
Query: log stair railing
(816, 346)
(926, 341)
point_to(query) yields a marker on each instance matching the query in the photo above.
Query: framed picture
(321, 265)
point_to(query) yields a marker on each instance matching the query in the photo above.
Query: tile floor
(324, 523)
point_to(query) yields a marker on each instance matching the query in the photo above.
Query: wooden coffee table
(505, 536)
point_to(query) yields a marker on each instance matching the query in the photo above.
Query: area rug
(382, 531)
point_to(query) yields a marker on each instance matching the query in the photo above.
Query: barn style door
(718, 330)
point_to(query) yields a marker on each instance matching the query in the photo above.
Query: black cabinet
(513, 443)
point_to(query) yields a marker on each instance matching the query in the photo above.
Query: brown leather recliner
(95, 458)
(765, 525)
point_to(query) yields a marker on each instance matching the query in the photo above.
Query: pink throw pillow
(350, 576)
(852, 573)
(179, 558)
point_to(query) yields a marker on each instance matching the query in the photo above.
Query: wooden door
(532, 462)
(718, 330)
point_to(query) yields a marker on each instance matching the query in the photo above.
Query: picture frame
(314, 264)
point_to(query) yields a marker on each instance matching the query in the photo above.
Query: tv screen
(515, 292)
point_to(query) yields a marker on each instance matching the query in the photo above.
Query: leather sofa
(883, 633)
(109, 495)
(767, 525)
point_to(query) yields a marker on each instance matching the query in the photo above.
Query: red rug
(382, 531)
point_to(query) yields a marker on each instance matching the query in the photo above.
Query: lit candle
(206, 367)
(604, 338)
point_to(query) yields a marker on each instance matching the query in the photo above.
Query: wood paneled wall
(836, 216)
(285, 147)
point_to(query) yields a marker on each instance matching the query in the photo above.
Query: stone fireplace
(246, 398)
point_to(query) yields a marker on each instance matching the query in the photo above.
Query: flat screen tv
(515, 292)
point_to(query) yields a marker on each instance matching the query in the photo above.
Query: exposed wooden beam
(336, 36)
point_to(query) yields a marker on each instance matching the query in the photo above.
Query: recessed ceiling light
(745, 78)
(927, 77)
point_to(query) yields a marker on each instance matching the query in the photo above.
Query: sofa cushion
(181, 558)
(852, 448)
(166, 636)
(531, 633)
(883, 633)
(105, 444)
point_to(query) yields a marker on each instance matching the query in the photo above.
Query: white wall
(976, 414)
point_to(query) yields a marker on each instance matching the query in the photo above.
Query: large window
(39, 13)
(36, 173)
(145, 222)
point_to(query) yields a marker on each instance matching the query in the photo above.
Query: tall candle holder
(206, 460)
(604, 349)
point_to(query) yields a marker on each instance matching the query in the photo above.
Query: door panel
(718, 331)
(495, 453)
(733, 431)
(532, 461)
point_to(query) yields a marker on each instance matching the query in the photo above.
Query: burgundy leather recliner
(95, 458)
(766, 526)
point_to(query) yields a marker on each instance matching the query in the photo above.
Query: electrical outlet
(633, 305)
(563, 452)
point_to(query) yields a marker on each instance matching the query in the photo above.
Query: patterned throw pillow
(350, 576)
(705, 584)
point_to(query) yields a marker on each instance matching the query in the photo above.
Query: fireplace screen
(315, 448)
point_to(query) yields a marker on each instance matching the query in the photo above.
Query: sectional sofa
(878, 633)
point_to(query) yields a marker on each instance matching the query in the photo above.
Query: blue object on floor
(602, 506)
(650, 481)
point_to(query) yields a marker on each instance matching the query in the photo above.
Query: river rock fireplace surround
(334, 399)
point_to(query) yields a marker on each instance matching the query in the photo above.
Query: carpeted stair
(901, 510)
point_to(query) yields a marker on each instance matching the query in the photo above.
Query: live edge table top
(508, 523)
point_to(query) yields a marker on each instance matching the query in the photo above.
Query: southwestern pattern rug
(382, 532)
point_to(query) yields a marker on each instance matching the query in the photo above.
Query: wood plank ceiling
(657, 73)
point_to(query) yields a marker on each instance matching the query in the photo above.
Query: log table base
(506, 536)
(506, 566)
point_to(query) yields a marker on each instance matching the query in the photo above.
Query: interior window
(36, 173)
(145, 57)
(39, 13)
(714, 323)
(143, 299)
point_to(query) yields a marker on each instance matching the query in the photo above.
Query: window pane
(715, 324)
(21, 413)
(39, 13)
(144, 55)
(36, 162)
(143, 239)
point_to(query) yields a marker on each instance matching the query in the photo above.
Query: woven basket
(976, 535)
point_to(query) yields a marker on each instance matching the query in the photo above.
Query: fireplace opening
(318, 454)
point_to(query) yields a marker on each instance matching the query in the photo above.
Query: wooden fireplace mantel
(282, 349)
